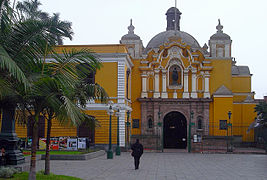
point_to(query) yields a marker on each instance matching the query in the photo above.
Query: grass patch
(39, 175)
(28, 153)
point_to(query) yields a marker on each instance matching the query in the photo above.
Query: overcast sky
(106, 21)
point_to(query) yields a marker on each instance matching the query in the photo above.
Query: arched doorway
(175, 130)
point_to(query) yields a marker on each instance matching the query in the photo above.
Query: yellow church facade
(171, 90)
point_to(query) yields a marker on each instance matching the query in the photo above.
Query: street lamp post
(160, 124)
(118, 149)
(189, 131)
(110, 153)
(231, 136)
(127, 131)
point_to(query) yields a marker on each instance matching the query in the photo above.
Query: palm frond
(7, 63)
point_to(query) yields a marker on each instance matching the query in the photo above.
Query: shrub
(7, 172)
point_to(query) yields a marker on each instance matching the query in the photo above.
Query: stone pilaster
(164, 93)
(144, 86)
(185, 93)
(194, 83)
(156, 84)
(206, 84)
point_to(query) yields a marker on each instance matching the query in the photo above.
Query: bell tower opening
(173, 19)
(175, 130)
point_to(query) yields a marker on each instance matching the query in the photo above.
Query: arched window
(199, 122)
(150, 122)
(175, 77)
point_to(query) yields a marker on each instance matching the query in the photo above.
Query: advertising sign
(81, 143)
(63, 143)
(54, 145)
(42, 143)
(72, 144)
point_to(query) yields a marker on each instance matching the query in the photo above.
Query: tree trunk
(32, 174)
(47, 155)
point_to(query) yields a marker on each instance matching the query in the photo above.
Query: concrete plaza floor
(166, 166)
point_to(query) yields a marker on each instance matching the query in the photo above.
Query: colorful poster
(63, 143)
(42, 143)
(54, 145)
(72, 144)
(81, 143)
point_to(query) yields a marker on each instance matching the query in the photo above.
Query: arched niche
(175, 74)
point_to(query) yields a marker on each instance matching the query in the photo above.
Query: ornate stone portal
(156, 109)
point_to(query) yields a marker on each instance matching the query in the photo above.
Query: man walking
(137, 153)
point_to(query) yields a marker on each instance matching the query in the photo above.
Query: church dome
(172, 10)
(220, 36)
(130, 37)
(163, 37)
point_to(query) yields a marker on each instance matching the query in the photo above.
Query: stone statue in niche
(175, 76)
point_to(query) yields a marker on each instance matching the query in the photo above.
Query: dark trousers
(136, 161)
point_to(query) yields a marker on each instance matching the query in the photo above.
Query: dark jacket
(137, 149)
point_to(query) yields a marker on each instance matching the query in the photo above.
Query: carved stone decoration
(151, 108)
(174, 52)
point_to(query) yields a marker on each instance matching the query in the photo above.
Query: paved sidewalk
(166, 166)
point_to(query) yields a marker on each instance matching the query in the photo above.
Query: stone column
(174, 94)
(194, 83)
(156, 84)
(164, 93)
(186, 93)
(144, 86)
(206, 84)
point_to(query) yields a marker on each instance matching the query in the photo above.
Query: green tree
(35, 86)
(23, 43)
(261, 110)
(54, 92)
(30, 10)
(261, 121)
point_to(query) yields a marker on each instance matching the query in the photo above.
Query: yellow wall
(102, 132)
(136, 93)
(244, 115)
(221, 74)
(107, 78)
(241, 84)
(112, 48)
(56, 130)
(221, 107)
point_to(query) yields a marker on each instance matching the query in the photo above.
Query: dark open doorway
(175, 130)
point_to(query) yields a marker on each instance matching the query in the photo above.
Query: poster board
(72, 144)
(81, 143)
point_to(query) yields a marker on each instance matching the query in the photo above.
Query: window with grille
(135, 123)
(223, 124)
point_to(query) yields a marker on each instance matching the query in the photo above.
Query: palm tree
(34, 85)
(81, 92)
(54, 92)
(30, 10)
(23, 42)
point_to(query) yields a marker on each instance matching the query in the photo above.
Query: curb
(75, 157)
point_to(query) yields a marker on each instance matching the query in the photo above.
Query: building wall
(241, 84)
(221, 107)
(244, 115)
(221, 74)
(136, 93)
(107, 78)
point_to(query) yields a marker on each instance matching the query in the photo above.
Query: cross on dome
(131, 27)
(219, 27)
